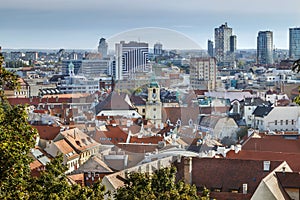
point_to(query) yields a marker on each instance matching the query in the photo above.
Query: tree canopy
(160, 185)
(17, 138)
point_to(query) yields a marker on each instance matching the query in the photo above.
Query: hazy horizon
(80, 24)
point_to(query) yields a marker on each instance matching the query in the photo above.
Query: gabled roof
(94, 164)
(65, 149)
(114, 101)
(262, 110)
(47, 132)
(227, 174)
(182, 113)
(272, 144)
(78, 140)
(293, 159)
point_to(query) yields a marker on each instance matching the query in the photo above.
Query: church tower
(153, 104)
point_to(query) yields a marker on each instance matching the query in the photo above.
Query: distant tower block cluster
(265, 48)
(294, 40)
(225, 45)
(131, 58)
(102, 47)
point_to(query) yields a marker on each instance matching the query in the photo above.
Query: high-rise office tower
(131, 58)
(102, 47)
(265, 47)
(294, 47)
(157, 49)
(203, 73)
(222, 42)
(210, 48)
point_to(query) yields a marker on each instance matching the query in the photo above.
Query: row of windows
(286, 122)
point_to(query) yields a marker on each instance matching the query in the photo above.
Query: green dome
(154, 84)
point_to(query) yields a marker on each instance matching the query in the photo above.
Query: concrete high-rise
(131, 58)
(223, 44)
(102, 47)
(265, 48)
(294, 43)
(203, 73)
(210, 48)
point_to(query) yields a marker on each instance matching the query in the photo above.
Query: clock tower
(153, 104)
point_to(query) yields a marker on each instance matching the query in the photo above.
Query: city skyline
(80, 25)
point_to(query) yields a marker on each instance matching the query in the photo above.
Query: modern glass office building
(265, 47)
(294, 47)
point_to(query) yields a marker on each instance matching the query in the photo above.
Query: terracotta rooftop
(78, 139)
(66, 96)
(114, 101)
(273, 143)
(94, 164)
(47, 132)
(65, 148)
(77, 178)
(146, 140)
(113, 135)
(182, 113)
(227, 175)
(293, 159)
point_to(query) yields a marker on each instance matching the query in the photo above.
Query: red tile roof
(227, 174)
(36, 167)
(78, 139)
(47, 132)
(182, 113)
(77, 178)
(273, 143)
(65, 148)
(293, 159)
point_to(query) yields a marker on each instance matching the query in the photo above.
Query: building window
(154, 109)
(281, 122)
(275, 122)
(287, 122)
(292, 122)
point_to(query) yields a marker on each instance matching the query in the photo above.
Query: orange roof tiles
(78, 139)
(273, 143)
(227, 174)
(47, 132)
(65, 148)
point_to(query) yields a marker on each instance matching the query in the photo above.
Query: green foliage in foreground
(17, 137)
(160, 185)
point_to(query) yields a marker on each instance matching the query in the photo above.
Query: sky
(77, 24)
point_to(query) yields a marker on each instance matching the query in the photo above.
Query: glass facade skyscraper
(265, 47)
(294, 47)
